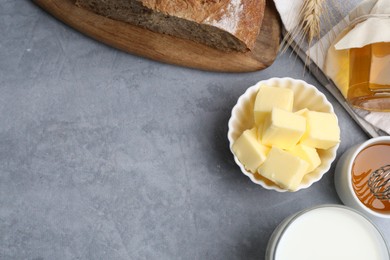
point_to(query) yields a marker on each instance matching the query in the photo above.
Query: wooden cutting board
(167, 48)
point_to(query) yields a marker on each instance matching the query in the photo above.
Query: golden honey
(369, 77)
(368, 160)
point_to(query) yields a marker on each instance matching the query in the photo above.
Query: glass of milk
(327, 232)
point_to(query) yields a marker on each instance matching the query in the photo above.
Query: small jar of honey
(353, 172)
(369, 77)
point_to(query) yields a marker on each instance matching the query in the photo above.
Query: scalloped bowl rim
(324, 167)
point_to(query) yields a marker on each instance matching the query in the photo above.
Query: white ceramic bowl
(327, 232)
(343, 177)
(305, 96)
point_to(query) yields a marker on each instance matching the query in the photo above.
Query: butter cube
(301, 112)
(283, 129)
(270, 97)
(283, 168)
(322, 130)
(307, 153)
(249, 151)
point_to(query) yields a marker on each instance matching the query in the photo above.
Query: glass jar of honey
(369, 77)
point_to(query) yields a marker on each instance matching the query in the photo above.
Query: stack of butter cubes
(283, 144)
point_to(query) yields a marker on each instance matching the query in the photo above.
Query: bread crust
(240, 20)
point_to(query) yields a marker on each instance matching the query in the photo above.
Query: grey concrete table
(105, 155)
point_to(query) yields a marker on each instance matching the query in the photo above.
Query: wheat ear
(311, 19)
(308, 27)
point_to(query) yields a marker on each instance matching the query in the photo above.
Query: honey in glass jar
(369, 77)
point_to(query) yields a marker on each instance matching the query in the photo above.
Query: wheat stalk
(309, 27)
(311, 19)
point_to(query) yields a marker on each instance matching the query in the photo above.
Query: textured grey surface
(105, 155)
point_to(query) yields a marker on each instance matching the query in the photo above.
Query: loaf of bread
(223, 24)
